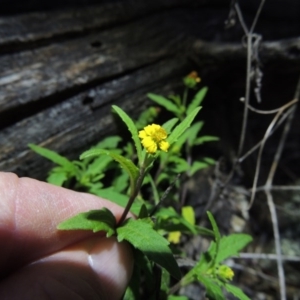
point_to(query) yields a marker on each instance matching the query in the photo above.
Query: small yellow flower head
(191, 80)
(154, 137)
(225, 273)
(174, 237)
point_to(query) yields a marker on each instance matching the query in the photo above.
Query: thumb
(96, 268)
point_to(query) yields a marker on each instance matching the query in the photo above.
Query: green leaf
(196, 166)
(95, 220)
(209, 160)
(206, 138)
(173, 297)
(180, 129)
(188, 214)
(215, 227)
(127, 164)
(133, 130)
(168, 126)
(204, 231)
(193, 132)
(57, 176)
(162, 176)
(213, 291)
(110, 142)
(197, 100)
(231, 245)
(166, 103)
(204, 263)
(146, 117)
(141, 235)
(181, 165)
(98, 165)
(53, 156)
(165, 281)
(143, 212)
(237, 292)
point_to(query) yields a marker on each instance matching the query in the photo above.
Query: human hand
(39, 262)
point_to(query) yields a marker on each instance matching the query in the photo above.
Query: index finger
(30, 211)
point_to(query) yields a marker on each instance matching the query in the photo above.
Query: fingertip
(113, 263)
(97, 268)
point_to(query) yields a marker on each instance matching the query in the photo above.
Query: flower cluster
(154, 137)
(191, 80)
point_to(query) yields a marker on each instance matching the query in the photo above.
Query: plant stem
(135, 191)
(184, 98)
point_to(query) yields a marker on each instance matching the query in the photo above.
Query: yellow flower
(154, 137)
(174, 237)
(225, 273)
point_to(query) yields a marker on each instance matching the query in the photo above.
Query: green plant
(157, 222)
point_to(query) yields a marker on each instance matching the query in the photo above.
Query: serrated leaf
(197, 100)
(168, 126)
(133, 130)
(95, 220)
(166, 103)
(237, 292)
(53, 156)
(142, 236)
(213, 291)
(125, 163)
(180, 129)
(231, 245)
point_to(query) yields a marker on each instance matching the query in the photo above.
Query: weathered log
(60, 71)
(59, 94)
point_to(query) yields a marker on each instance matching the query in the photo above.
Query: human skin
(37, 261)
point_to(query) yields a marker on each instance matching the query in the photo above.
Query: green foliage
(95, 220)
(125, 163)
(206, 271)
(140, 187)
(197, 100)
(181, 128)
(166, 103)
(133, 130)
(141, 234)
